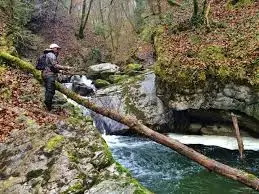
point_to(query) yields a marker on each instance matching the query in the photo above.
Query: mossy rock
(212, 53)
(147, 33)
(100, 83)
(76, 188)
(118, 78)
(134, 67)
(54, 142)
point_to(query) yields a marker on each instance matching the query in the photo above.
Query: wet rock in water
(109, 126)
(103, 69)
(75, 78)
(70, 157)
(82, 89)
(82, 85)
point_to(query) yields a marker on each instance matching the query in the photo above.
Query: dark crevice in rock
(210, 121)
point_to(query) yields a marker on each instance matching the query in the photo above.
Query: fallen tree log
(212, 165)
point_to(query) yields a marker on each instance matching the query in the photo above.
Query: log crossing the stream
(134, 124)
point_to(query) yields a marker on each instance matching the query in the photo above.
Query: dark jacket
(52, 65)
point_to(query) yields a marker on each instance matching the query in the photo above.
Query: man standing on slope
(50, 73)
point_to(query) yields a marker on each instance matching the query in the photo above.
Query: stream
(164, 171)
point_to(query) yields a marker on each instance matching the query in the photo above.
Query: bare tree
(84, 18)
(70, 7)
(55, 13)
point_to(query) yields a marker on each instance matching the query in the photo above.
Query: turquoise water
(164, 171)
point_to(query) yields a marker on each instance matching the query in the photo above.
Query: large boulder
(102, 70)
(82, 89)
(135, 96)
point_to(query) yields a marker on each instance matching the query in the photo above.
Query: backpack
(41, 62)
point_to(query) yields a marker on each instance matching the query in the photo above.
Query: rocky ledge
(69, 157)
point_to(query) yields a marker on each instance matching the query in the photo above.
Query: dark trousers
(50, 88)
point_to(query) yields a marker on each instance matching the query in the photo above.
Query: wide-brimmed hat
(52, 46)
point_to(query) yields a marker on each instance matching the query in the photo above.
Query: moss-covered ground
(227, 52)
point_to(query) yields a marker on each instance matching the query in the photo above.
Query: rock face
(70, 157)
(134, 96)
(229, 97)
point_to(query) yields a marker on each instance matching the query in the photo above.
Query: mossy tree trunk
(203, 16)
(134, 124)
(195, 14)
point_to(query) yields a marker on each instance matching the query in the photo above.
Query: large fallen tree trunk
(212, 165)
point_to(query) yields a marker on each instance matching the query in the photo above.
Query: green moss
(18, 63)
(117, 78)
(5, 93)
(76, 188)
(223, 72)
(202, 76)
(54, 142)
(133, 67)
(5, 184)
(239, 4)
(72, 157)
(122, 170)
(140, 189)
(2, 70)
(195, 39)
(147, 33)
(76, 117)
(107, 153)
(254, 62)
(251, 177)
(212, 54)
(99, 83)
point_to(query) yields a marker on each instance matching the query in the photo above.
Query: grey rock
(230, 97)
(99, 69)
(135, 96)
(111, 187)
(72, 165)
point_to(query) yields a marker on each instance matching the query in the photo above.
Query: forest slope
(228, 51)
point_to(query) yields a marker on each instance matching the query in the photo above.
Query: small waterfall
(68, 85)
(104, 124)
(87, 82)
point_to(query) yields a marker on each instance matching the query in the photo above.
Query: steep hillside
(57, 152)
(228, 51)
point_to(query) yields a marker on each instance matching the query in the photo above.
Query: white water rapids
(230, 143)
(226, 142)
